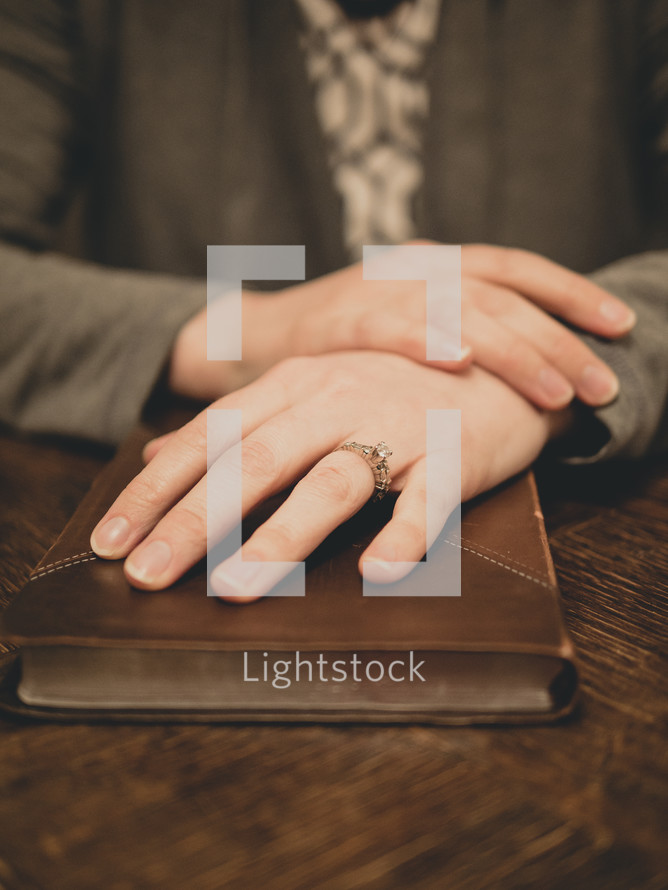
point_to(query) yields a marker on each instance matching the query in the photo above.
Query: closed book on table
(92, 647)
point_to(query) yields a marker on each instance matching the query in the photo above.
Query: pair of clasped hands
(343, 359)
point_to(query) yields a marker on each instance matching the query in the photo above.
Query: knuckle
(410, 532)
(193, 438)
(493, 300)
(190, 521)
(147, 491)
(333, 481)
(569, 294)
(565, 347)
(275, 538)
(341, 382)
(514, 356)
(259, 458)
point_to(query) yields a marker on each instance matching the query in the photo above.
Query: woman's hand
(294, 417)
(511, 301)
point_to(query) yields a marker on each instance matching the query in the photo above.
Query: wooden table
(583, 804)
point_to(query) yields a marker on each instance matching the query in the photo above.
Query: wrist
(265, 340)
(190, 374)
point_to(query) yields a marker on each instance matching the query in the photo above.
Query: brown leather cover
(509, 603)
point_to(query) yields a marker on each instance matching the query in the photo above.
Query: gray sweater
(187, 124)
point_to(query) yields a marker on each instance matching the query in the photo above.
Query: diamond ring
(376, 457)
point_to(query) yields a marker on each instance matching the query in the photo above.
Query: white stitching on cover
(89, 556)
(66, 559)
(508, 558)
(64, 564)
(501, 564)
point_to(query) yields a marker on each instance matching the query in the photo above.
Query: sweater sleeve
(81, 346)
(637, 422)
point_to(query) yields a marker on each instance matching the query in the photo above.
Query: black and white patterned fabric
(372, 102)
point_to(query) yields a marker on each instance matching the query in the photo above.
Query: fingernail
(618, 313)
(235, 577)
(556, 388)
(599, 385)
(109, 537)
(381, 565)
(465, 353)
(379, 569)
(150, 561)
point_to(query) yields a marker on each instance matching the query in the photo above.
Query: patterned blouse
(372, 103)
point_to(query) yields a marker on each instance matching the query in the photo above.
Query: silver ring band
(376, 458)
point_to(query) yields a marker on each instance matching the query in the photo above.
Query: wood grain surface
(583, 804)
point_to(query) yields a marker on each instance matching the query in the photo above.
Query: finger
(176, 468)
(391, 332)
(272, 456)
(151, 448)
(333, 491)
(408, 535)
(593, 381)
(515, 360)
(553, 287)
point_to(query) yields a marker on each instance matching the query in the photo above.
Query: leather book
(91, 647)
